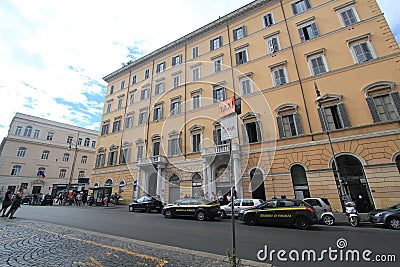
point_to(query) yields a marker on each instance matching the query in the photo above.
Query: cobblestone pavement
(32, 243)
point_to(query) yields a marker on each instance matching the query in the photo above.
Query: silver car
(238, 205)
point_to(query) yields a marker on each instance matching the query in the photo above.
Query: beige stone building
(161, 125)
(45, 156)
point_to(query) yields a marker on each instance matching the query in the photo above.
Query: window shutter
(315, 30)
(215, 137)
(234, 35)
(179, 146)
(258, 129)
(220, 41)
(180, 59)
(215, 96)
(244, 30)
(308, 4)
(294, 8)
(237, 58)
(280, 126)
(169, 148)
(128, 155)
(244, 134)
(302, 37)
(373, 110)
(396, 101)
(344, 116)
(224, 92)
(211, 45)
(299, 125)
(321, 115)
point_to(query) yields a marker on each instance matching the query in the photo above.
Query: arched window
(257, 184)
(108, 182)
(174, 188)
(196, 185)
(398, 162)
(299, 180)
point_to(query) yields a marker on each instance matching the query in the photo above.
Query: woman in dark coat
(16, 203)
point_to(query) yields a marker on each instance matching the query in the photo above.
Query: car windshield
(397, 206)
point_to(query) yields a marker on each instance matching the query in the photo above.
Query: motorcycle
(352, 214)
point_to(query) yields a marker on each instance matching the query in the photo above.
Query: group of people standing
(12, 203)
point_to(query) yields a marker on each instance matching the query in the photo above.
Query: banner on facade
(229, 127)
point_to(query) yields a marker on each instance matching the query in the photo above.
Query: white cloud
(55, 53)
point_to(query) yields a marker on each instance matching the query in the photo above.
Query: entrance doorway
(174, 188)
(257, 184)
(152, 188)
(355, 182)
(299, 180)
(36, 190)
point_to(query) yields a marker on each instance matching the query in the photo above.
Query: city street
(215, 236)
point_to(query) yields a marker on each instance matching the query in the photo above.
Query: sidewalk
(341, 218)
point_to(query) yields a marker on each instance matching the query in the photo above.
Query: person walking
(15, 204)
(6, 202)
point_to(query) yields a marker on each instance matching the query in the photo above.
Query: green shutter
(299, 125)
(344, 116)
(322, 119)
(280, 127)
(373, 110)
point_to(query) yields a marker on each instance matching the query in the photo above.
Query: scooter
(352, 214)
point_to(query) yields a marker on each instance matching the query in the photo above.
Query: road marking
(160, 262)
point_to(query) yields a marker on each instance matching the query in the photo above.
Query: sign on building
(229, 127)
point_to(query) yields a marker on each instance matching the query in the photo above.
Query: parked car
(46, 200)
(389, 217)
(291, 212)
(192, 207)
(27, 199)
(238, 205)
(323, 209)
(147, 204)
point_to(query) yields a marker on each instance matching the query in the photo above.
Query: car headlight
(242, 211)
(379, 214)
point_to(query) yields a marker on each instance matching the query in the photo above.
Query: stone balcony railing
(152, 160)
(219, 149)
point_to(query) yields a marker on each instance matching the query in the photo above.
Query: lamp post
(343, 195)
(76, 149)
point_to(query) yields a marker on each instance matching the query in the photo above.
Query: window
(36, 134)
(241, 57)
(18, 130)
(87, 141)
(116, 125)
(317, 65)
(129, 121)
(81, 174)
(108, 106)
(65, 157)
(251, 127)
(122, 85)
(28, 131)
(111, 89)
(246, 86)
(41, 172)
(100, 159)
(50, 136)
(134, 79)
(176, 60)
(131, 98)
(175, 108)
(348, 16)
(147, 74)
(273, 44)
(174, 146)
(160, 67)
(139, 151)
(196, 139)
(308, 32)
(62, 173)
(279, 76)
(239, 33)
(196, 74)
(217, 135)
(176, 80)
(144, 93)
(104, 128)
(219, 94)
(124, 156)
(289, 121)
(69, 139)
(84, 159)
(268, 20)
(16, 169)
(112, 158)
(216, 43)
(21, 152)
(45, 154)
(120, 102)
(156, 148)
(362, 52)
(157, 115)
(196, 101)
(218, 65)
(384, 104)
(333, 113)
(195, 52)
(300, 6)
(79, 141)
(159, 88)
(93, 144)
(142, 117)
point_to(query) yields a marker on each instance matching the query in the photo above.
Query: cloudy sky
(54, 54)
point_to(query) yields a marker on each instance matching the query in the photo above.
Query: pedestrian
(15, 204)
(6, 202)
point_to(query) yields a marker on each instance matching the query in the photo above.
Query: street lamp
(343, 194)
(76, 149)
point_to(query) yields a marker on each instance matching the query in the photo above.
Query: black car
(46, 200)
(389, 217)
(292, 212)
(192, 207)
(147, 204)
(27, 199)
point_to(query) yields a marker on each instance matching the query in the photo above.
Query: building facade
(161, 131)
(45, 156)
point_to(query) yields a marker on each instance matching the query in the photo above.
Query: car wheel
(302, 223)
(131, 209)
(250, 219)
(200, 216)
(168, 214)
(354, 221)
(393, 223)
(222, 214)
(148, 209)
(328, 220)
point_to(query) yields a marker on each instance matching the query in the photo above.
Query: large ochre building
(161, 125)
